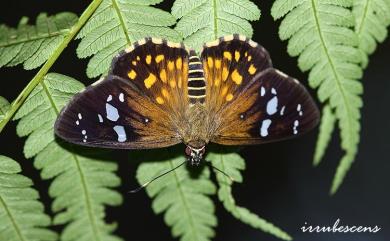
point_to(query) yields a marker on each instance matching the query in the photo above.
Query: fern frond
(205, 20)
(33, 44)
(188, 209)
(81, 185)
(372, 19)
(326, 130)
(233, 164)
(22, 216)
(4, 106)
(319, 33)
(117, 23)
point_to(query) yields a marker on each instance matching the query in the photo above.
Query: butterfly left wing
(254, 103)
(138, 105)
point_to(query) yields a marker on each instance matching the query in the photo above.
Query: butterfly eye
(188, 151)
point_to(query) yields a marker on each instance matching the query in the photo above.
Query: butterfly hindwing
(138, 105)
(273, 106)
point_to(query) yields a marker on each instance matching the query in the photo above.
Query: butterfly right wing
(140, 104)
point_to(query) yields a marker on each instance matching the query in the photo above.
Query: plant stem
(52, 59)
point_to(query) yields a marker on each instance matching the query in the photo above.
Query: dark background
(281, 185)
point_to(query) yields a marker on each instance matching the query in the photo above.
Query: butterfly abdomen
(196, 80)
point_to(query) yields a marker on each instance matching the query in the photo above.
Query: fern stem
(215, 19)
(363, 19)
(185, 203)
(52, 59)
(121, 20)
(95, 229)
(9, 214)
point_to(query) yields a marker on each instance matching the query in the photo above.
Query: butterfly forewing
(138, 105)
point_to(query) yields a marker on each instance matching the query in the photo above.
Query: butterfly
(159, 93)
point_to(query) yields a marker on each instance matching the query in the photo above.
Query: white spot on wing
(272, 106)
(112, 112)
(77, 122)
(84, 140)
(83, 132)
(109, 98)
(121, 97)
(80, 116)
(262, 91)
(281, 73)
(264, 127)
(296, 124)
(273, 91)
(282, 110)
(299, 107)
(120, 131)
(100, 118)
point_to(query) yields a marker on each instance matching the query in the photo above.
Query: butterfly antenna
(219, 170)
(155, 178)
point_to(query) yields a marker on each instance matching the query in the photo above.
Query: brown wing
(255, 103)
(138, 105)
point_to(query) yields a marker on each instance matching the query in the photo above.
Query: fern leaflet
(32, 45)
(81, 183)
(372, 20)
(205, 20)
(188, 209)
(4, 107)
(233, 164)
(326, 129)
(22, 216)
(319, 32)
(117, 23)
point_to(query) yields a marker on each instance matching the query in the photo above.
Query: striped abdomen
(196, 80)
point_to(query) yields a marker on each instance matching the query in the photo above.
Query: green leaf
(82, 184)
(22, 216)
(372, 19)
(32, 45)
(184, 199)
(326, 129)
(233, 164)
(319, 33)
(4, 107)
(205, 20)
(118, 23)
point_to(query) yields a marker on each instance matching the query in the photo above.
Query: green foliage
(4, 107)
(232, 164)
(205, 20)
(118, 23)
(32, 45)
(372, 19)
(326, 129)
(319, 32)
(81, 185)
(184, 199)
(22, 216)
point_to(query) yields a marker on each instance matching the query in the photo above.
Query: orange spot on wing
(132, 74)
(217, 81)
(252, 69)
(163, 75)
(172, 83)
(249, 58)
(180, 82)
(224, 91)
(237, 56)
(165, 93)
(171, 65)
(134, 62)
(148, 59)
(218, 63)
(179, 63)
(159, 58)
(160, 100)
(210, 62)
(236, 77)
(149, 82)
(229, 97)
(138, 58)
(227, 55)
(225, 73)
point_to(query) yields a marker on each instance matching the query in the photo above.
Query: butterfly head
(195, 155)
